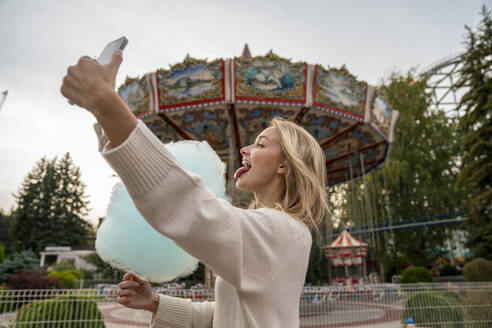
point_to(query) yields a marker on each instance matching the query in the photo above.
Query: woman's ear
(282, 168)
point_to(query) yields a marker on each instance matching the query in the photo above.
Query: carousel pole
(360, 204)
(350, 210)
(381, 238)
(355, 211)
(346, 270)
(328, 233)
(368, 203)
(372, 197)
(364, 267)
(386, 194)
(329, 271)
(232, 157)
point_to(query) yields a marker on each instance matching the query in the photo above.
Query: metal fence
(378, 305)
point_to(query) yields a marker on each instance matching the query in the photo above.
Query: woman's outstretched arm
(136, 293)
(91, 86)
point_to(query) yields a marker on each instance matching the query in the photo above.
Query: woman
(260, 255)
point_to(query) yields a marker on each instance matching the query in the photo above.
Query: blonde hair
(305, 179)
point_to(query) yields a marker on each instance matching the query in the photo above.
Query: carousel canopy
(228, 102)
(345, 240)
(345, 249)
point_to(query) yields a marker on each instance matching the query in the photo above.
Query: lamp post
(4, 96)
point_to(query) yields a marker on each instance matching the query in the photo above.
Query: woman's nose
(244, 150)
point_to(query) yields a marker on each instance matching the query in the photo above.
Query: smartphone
(105, 56)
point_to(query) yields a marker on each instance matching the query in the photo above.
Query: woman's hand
(88, 83)
(137, 293)
(91, 86)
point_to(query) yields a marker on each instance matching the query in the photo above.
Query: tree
(2, 253)
(317, 271)
(6, 223)
(476, 125)
(105, 269)
(418, 179)
(51, 206)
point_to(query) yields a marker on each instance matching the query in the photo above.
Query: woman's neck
(270, 196)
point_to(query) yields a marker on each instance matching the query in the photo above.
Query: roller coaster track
(442, 76)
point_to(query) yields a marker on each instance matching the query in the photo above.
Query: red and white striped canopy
(345, 240)
(345, 250)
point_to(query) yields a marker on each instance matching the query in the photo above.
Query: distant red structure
(348, 254)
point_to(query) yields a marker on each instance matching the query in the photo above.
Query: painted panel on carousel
(208, 124)
(370, 157)
(323, 126)
(340, 170)
(374, 157)
(334, 179)
(194, 81)
(338, 90)
(161, 129)
(381, 114)
(270, 78)
(254, 119)
(352, 141)
(135, 92)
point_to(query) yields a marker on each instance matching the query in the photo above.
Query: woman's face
(262, 163)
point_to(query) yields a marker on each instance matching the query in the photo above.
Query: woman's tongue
(240, 171)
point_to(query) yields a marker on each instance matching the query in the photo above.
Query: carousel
(228, 102)
(347, 255)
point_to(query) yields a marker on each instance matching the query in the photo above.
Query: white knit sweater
(260, 256)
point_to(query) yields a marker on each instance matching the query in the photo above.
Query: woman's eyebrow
(258, 138)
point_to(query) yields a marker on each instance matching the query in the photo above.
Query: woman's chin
(241, 185)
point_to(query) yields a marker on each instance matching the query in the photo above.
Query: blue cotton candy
(126, 241)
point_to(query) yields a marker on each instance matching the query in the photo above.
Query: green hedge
(416, 274)
(80, 311)
(70, 278)
(478, 270)
(434, 309)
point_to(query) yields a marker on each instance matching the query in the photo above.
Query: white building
(59, 254)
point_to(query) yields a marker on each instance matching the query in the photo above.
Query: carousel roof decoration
(228, 102)
(246, 53)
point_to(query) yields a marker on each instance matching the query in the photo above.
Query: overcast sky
(39, 39)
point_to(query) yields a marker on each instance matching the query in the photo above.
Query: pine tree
(51, 206)
(6, 222)
(476, 124)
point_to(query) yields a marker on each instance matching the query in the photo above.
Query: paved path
(117, 316)
(354, 314)
(366, 316)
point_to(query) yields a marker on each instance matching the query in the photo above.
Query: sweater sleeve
(244, 247)
(176, 312)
